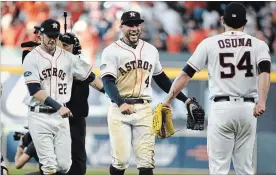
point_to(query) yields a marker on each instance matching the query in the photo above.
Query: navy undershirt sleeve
(111, 90)
(164, 82)
(264, 66)
(189, 70)
(33, 88)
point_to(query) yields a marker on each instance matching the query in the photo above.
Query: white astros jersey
(54, 73)
(132, 68)
(232, 59)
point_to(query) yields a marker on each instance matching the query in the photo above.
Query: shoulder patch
(103, 66)
(28, 73)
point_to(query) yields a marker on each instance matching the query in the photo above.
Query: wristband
(181, 97)
(102, 90)
(51, 102)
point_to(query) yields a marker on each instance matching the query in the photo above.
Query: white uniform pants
(127, 131)
(231, 134)
(51, 137)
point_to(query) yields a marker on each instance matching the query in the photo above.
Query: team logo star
(55, 25)
(132, 14)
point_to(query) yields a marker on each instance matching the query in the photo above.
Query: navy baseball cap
(50, 27)
(235, 15)
(68, 38)
(131, 17)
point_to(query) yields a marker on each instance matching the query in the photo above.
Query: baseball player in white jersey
(239, 79)
(48, 72)
(127, 68)
(3, 167)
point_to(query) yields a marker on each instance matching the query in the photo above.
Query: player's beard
(51, 46)
(133, 38)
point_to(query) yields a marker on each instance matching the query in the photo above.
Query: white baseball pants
(51, 137)
(127, 131)
(231, 133)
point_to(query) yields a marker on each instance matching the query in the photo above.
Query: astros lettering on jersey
(132, 68)
(54, 73)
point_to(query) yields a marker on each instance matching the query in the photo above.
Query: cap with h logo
(50, 27)
(235, 15)
(131, 17)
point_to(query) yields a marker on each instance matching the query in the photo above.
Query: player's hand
(126, 109)
(259, 109)
(166, 104)
(65, 112)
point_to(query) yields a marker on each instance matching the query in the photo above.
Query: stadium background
(175, 28)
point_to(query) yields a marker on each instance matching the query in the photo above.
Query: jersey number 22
(62, 88)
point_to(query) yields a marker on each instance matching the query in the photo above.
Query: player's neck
(124, 40)
(47, 50)
(229, 29)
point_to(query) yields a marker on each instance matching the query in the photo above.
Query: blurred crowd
(170, 26)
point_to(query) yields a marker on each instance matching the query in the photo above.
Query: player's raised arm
(263, 62)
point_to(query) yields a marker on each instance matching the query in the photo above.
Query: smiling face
(131, 33)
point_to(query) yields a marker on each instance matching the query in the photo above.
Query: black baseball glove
(195, 119)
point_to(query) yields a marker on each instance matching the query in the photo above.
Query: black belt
(133, 101)
(43, 109)
(227, 98)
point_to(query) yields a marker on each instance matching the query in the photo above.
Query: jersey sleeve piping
(32, 81)
(263, 59)
(88, 73)
(108, 73)
(193, 66)
(158, 73)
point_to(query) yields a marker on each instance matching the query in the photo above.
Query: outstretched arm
(179, 83)
(95, 82)
(163, 81)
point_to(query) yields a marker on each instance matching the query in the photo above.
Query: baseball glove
(195, 118)
(162, 122)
